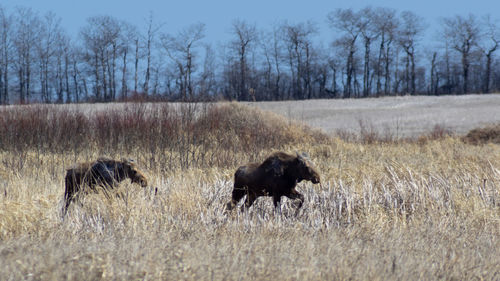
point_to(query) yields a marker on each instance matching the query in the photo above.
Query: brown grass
(384, 211)
(489, 134)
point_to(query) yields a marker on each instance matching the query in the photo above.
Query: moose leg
(277, 202)
(70, 189)
(68, 200)
(251, 197)
(238, 193)
(294, 194)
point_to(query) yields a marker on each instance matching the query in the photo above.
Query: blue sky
(218, 14)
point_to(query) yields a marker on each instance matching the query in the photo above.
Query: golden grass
(384, 211)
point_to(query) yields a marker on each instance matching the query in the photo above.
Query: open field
(406, 116)
(407, 210)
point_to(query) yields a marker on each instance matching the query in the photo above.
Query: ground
(406, 116)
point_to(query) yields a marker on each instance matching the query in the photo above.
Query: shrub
(489, 134)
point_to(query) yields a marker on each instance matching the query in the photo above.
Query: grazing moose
(104, 172)
(277, 176)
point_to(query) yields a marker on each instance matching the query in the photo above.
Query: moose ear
(128, 161)
(301, 157)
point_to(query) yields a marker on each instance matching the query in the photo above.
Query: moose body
(104, 172)
(277, 176)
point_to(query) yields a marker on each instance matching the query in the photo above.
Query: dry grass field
(405, 116)
(420, 209)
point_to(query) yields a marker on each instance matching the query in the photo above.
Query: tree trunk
(366, 72)
(66, 78)
(124, 74)
(136, 64)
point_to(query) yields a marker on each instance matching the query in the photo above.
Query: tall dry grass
(420, 210)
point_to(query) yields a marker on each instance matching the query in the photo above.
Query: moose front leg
(277, 202)
(294, 194)
(251, 197)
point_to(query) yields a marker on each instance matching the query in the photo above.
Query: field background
(388, 208)
(404, 116)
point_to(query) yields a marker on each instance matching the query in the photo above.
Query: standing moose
(277, 176)
(104, 172)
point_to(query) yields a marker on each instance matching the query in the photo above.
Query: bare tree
(463, 33)
(335, 65)
(348, 22)
(25, 40)
(369, 31)
(300, 53)
(386, 23)
(246, 35)
(150, 39)
(488, 44)
(136, 64)
(277, 57)
(208, 83)
(6, 45)
(266, 46)
(50, 36)
(434, 79)
(101, 38)
(61, 78)
(74, 61)
(128, 40)
(181, 49)
(409, 33)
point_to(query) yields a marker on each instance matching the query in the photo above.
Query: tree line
(369, 52)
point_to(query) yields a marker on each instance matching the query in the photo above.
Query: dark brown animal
(277, 176)
(104, 172)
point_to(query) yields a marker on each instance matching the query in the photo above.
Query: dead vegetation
(489, 134)
(404, 210)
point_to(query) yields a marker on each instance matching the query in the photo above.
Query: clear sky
(218, 14)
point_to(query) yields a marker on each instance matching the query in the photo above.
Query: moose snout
(141, 181)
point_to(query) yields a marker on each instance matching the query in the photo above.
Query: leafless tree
(49, 38)
(370, 31)
(6, 49)
(182, 50)
(268, 64)
(26, 37)
(335, 65)
(386, 23)
(434, 76)
(488, 44)
(128, 41)
(246, 37)
(300, 55)
(150, 39)
(272, 44)
(463, 34)
(61, 78)
(347, 21)
(77, 79)
(101, 38)
(208, 83)
(409, 32)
